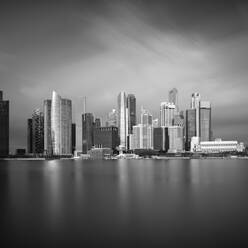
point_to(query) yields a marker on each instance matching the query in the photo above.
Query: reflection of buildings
(4, 126)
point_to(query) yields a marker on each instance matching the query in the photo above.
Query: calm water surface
(124, 203)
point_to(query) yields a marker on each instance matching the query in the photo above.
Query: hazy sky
(99, 48)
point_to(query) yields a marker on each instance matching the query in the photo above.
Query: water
(125, 203)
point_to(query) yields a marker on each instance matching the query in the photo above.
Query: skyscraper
(160, 139)
(167, 113)
(73, 137)
(175, 139)
(30, 136)
(173, 98)
(38, 132)
(48, 148)
(205, 121)
(122, 119)
(131, 105)
(112, 119)
(195, 104)
(87, 132)
(190, 126)
(4, 126)
(61, 120)
(97, 122)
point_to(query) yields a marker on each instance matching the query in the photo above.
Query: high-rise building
(190, 126)
(30, 136)
(97, 122)
(38, 131)
(123, 119)
(142, 137)
(160, 139)
(112, 119)
(195, 104)
(48, 148)
(61, 120)
(87, 132)
(173, 98)
(131, 105)
(73, 138)
(4, 126)
(205, 121)
(175, 139)
(106, 137)
(167, 113)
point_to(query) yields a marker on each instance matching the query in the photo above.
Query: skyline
(99, 49)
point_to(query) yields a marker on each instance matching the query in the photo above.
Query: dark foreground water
(125, 203)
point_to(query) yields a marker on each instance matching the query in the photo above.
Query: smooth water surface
(124, 203)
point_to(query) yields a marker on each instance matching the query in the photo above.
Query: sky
(99, 48)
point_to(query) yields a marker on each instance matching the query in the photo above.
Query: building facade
(106, 137)
(73, 138)
(48, 148)
(38, 132)
(205, 121)
(30, 136)
(4, 126)
(61, 121)
(131, 106)
(167, 113)
(195, 104)
(176, 141)
(160, 139)
(173, 98)
(190, 127)
(112, 119)
(87, 132)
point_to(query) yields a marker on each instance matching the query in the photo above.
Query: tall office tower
(4, 126)
(173, 98)
(146, 117)
(122, 119)
(30, 136)
(61, 120)
(48, 147)
(87, 132)
(73, 138)
(167, 113)
(175, 139)
(112, 119)
(131, 106)
(38, 132)
(160, 139)
(106, 137)
(205, 121)
(178, 120)
(195, 104)
(97, 122)
(190, 126)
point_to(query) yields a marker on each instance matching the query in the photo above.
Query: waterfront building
(106, 137)
(61, 121)
(131, 106)
(48, 148)
(220, 146)
(194, 145)
(100, 153)
(175, 139)
(73, 138)
(205, 121)
(112, 119)
(37, 132)
(4, 126)
(123, 119)
(30, 136)
(167, 113)
(87, 132)
(160, 139)
(173, 98)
